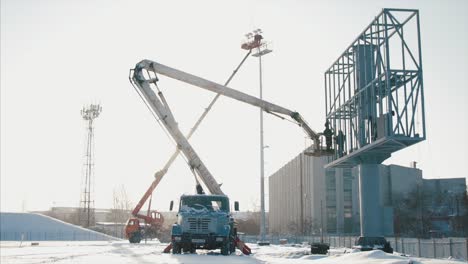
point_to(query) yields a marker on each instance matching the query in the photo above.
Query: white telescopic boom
(268, 107)
(157, 104)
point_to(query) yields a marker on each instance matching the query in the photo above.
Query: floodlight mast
(255, 40)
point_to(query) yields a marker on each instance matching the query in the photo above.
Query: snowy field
(123, 252)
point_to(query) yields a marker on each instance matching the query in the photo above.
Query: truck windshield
(205, 202)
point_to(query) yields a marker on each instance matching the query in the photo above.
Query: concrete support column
(371, 217)
(355, 199)
(339, 201)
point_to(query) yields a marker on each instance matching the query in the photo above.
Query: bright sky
(57, 56)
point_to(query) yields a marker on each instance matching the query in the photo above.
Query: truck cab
(136, 230)
(204, 222)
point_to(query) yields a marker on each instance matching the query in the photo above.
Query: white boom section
(268, 107)
(160, 174)
(145, 74)
(158, 105)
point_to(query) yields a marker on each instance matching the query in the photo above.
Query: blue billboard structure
(375, 104)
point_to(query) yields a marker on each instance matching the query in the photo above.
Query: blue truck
(204, 222)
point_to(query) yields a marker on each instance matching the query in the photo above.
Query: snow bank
(378, 256)
(122, 252)
(28, 226)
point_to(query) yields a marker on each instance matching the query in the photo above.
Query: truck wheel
(193, 249)
(232, 240)
(225, 249)
(176, 248)
(232, 247)
(186, 249)
(387, 248)
(138, 239)
(135, 238)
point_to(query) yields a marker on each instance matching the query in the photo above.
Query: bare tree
(73, 218)
(293, 228)
(311, 226)
(460, 220)
(121, 206)
(250, 225)
(411, 213)
(120, 211)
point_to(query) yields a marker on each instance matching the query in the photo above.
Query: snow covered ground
(123, 252)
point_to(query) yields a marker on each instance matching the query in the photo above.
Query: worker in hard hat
(340, 140)
(328, 133)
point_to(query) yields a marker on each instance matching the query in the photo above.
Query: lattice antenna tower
(86, 214)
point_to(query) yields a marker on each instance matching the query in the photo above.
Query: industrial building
(304, 197)
(296, 193)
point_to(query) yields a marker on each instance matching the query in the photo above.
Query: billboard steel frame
(374, 91)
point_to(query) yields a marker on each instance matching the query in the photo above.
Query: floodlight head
(91, 112)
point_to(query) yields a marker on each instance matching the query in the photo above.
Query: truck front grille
(199, 225)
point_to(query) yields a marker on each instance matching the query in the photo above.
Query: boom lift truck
(134, 230)
(153, 221)
(189, 227)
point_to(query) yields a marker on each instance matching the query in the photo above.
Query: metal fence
(440, 248)
(432, 248)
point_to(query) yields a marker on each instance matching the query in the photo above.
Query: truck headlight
(219, 239)
(177, 238)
